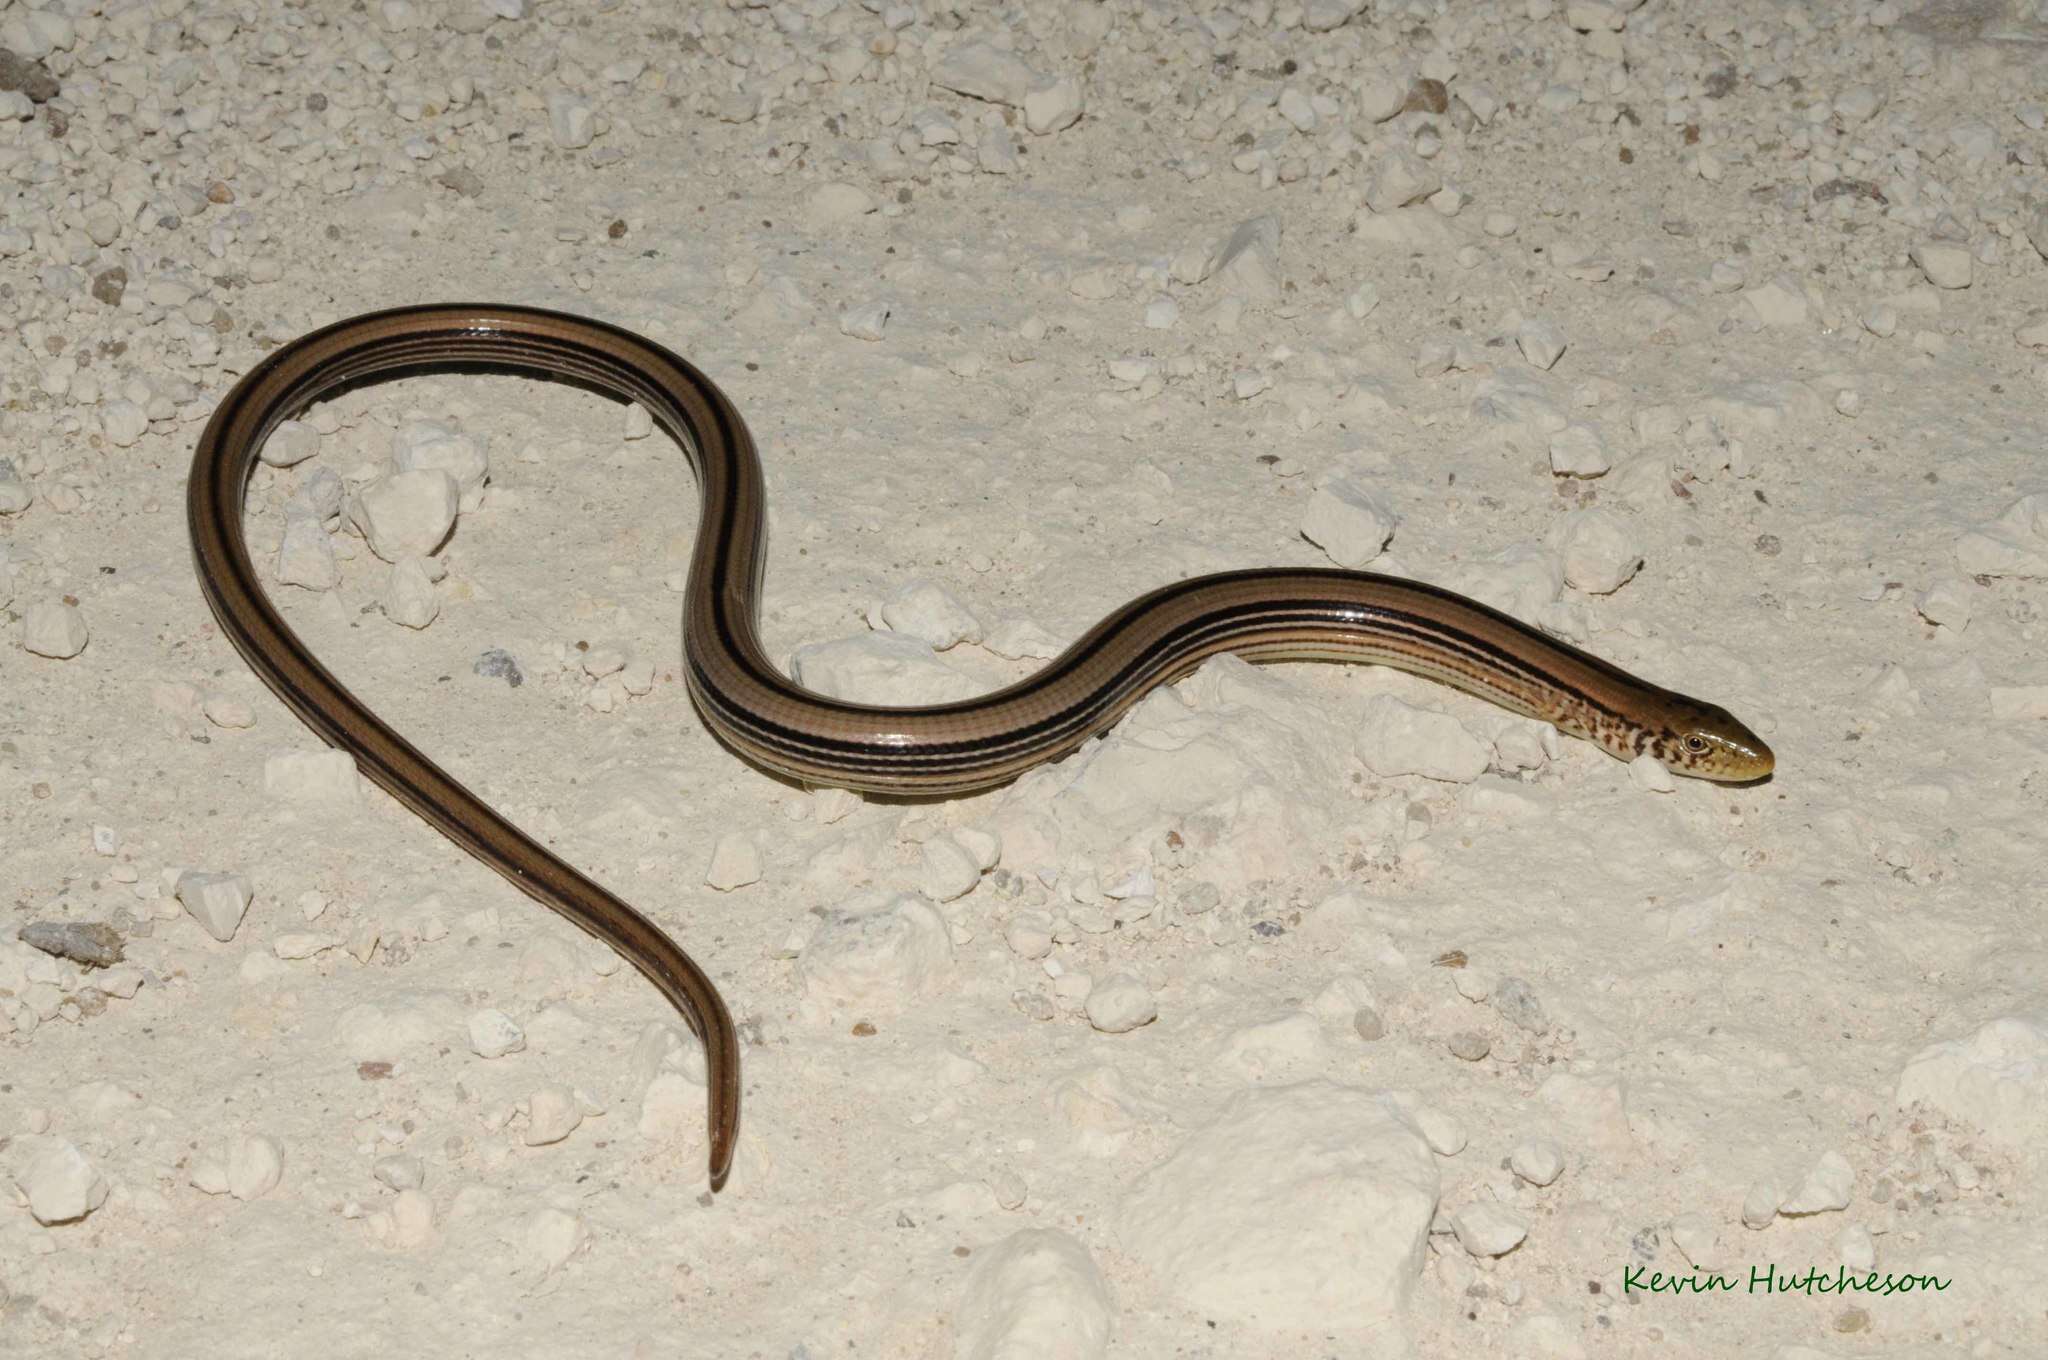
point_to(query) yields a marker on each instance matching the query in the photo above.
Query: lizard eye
(1696, 744)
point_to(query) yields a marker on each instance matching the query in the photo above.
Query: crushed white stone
(313, 778)
(492, 1034)
(1541, 341)
(1538, 1161)
(1826, 1188)
(1486, 1229)
(217, 901)
(1598, 551)
(877, 952)
(1298, 1200)
(1946, 265)
(291, 443)
(1993, 1080)
(61, 1183)
(407, 514)
(55, 629)
(552, 1113)
(1037, 1292)
(735, 862)
(1396, 738)
(1348, 522)
(1121, 1004)
(927, 610)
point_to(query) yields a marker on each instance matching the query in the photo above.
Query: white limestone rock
(984, 72)
(1778, 301)
(54, 629)
(1579, 450)
(1826, 1188)
(407, 514)
(313, 778)
(1538, 1161)
(1397, 738)
(1487, 1229)
(1945, 264)
(305, 556)
(838, 202)
(1304, 1201)
(2014, 544)
(877, 953)
(493, 1034)
(880, 668)
(1054, 105)
(1598, 550)
(1121, 1004)
(1541, 341)
(61, 1184)
(552, 1113)
(217, 901)
(1994, 1080)
(928, 611)
(1348, 522)
(1397, 178)
(1037, 1293)
(255, 1165)
(409, 597)
(1247, 264)
(419, 445)
(735, 862)
(552, 1237)
(291, 443)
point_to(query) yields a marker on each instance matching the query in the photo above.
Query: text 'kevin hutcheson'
(1769, 1280)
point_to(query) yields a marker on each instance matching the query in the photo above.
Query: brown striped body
(754, 708)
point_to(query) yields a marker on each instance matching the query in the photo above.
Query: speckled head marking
(1706, 741)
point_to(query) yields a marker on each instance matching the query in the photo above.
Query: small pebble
(1538, 1161)
(217, 901)
(291, 443)
(1121, 1004)
(1469, 1044)
(1947, 602)
(948, 869)
(1693, 1234)
(1542, 342)
(407, 514)
(1578, 450)
(1488, 1229)
(400, 1171)
(1760, 1204)
(1826, 1188)
(255, 1166)
(1444, 1134)
(409, 597)
(61, 1184)
(54, 628)
(497, 664)
(864, 321)
(1517, 1003)
(735, 862)
(493, 1035)
(552, 1237)
(1945, 265)
(1651, 775)
(553, 1113)
(1348, 522)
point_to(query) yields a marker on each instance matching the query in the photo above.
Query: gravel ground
(1315, 1011)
